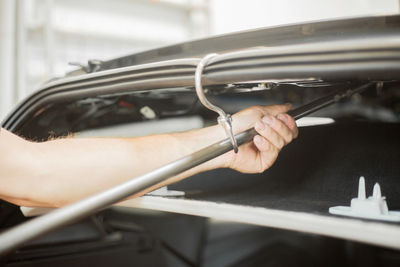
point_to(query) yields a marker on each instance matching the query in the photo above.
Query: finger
(262, 144)
(270, 134)
(268, 152)
(280, 127)
(276, 109)
(290, 122)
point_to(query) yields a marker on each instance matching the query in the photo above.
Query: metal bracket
(93, 65)
(225, 120)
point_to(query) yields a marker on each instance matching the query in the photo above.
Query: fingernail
(259, 126)
(267, 120)
(282, 117)
(288, 105)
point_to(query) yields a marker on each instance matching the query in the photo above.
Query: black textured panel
(318, 170)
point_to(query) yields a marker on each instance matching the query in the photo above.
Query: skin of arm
(57, 172)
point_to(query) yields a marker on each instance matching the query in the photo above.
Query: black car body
(295, 63)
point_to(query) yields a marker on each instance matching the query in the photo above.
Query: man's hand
(275, 128)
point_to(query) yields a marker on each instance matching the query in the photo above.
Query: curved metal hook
(225, 120)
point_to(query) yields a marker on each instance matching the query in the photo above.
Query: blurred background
(43, 39)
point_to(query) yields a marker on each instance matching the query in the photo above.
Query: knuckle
(293, 128)
(296, 132)
(281, 143)
(278, 125)
(268, 146)
(265, 146)
(259, 126)
(257, 109)
(288, 137)
(290, 120)
(261, 143)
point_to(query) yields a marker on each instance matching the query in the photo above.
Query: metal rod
(27, 231)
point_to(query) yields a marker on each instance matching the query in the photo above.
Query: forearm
(16, 160)
(184, 144)
(66, 170)
(61, 171)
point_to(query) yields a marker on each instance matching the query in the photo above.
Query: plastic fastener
(373, 207)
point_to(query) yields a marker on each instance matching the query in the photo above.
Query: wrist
(196, 140)
(214, 134)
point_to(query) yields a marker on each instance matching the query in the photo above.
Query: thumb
(277, 109)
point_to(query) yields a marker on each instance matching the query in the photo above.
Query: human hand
(275, 129)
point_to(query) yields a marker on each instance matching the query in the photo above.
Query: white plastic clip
(165, 192)
(225, 120)
(374, 207)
